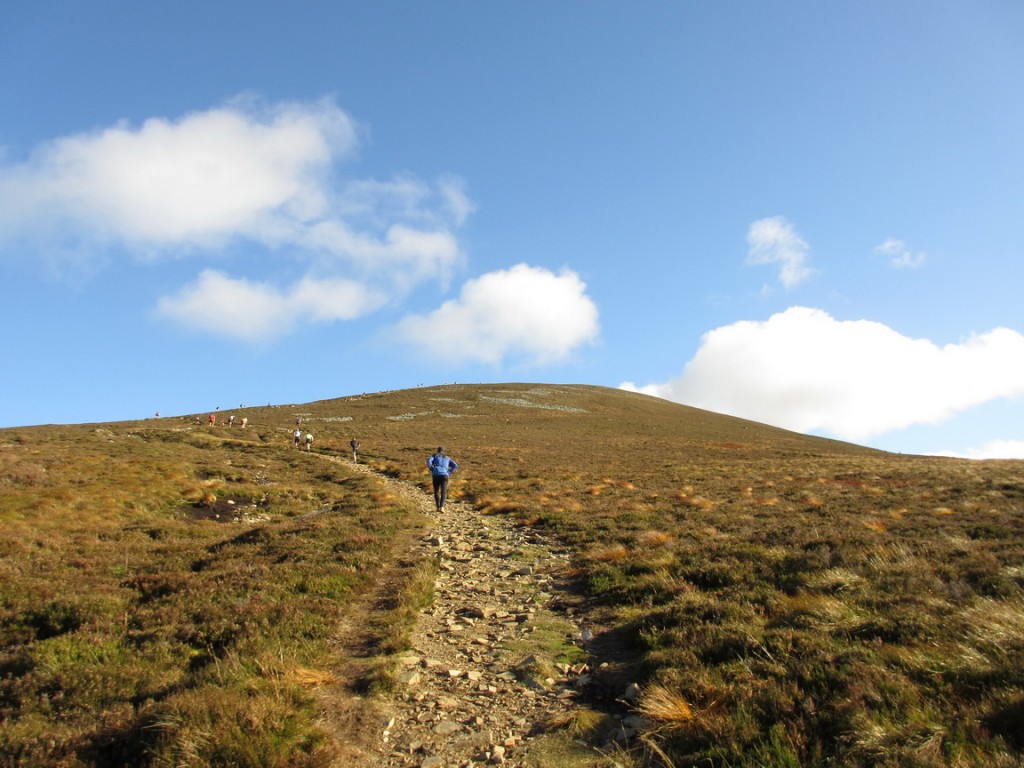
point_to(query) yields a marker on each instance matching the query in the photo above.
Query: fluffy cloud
(900, 255)
(262, 179)
(996, 449)
(776, 241)
(403, 254)
(234, 171)
(251, 311)
(803, 370)
(524, 312)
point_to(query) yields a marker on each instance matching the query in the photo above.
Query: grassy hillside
(170, 590)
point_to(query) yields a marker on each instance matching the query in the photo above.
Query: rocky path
(495, 657)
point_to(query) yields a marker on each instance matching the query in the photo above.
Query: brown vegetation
(781, 600)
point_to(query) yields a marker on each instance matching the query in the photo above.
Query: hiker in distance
(355, 450)
(441, 468)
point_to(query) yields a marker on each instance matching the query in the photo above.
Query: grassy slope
(784, 599)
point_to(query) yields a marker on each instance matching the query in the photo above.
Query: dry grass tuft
(192, 494)
(587, 724)
(612, 553)
(667, 709)
(313, 677)
(997, 626)
(812, 500)
(816, 612)
(834, 580)
(695, 502)
(564, 504)
(497, 505)
(654, 539)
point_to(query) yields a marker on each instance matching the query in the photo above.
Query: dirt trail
(498, 652)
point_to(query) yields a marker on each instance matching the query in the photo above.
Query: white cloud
(996, 449)
(404, 254)
(525, 312)
(265, 177)
(457, 201)
(803, 370)
(232, 171)
(249, 311)
(776, 241)
(900, 255)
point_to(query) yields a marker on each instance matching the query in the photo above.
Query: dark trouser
(440, 490)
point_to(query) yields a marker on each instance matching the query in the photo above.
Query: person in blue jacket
(441, 469)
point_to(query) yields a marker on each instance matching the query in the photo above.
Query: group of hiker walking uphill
(441, 466)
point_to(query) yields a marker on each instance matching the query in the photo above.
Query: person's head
(440, 449)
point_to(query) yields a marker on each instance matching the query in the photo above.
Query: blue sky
(804, 213)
